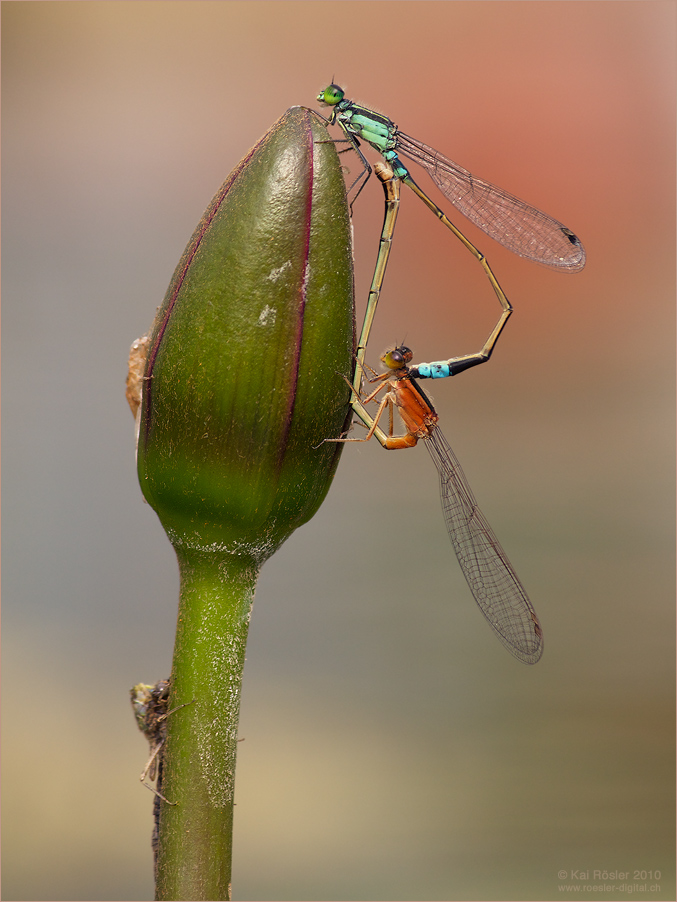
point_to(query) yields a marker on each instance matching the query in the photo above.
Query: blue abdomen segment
(439, 369)
(398, 168)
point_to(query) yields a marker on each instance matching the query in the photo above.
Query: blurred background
(393, 748)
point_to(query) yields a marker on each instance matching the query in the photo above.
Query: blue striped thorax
(376, 130)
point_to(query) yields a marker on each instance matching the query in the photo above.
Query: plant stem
(195, 846)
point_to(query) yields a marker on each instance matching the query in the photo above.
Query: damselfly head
(396, 358)
(331, 95)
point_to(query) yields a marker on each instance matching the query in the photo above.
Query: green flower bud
(244, 376)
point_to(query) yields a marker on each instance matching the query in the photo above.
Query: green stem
(195, 845)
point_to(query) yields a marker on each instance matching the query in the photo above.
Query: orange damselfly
(492, 580)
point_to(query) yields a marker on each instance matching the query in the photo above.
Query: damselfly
(488, 572)
(513, 223)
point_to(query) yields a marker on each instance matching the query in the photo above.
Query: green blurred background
(393, 749)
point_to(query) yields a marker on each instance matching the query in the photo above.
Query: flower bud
(249, 350)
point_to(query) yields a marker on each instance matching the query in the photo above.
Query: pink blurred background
(393, 749)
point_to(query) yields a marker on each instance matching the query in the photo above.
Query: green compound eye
(331, 95)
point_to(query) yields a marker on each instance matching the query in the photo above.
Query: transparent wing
(489, 573)
(510, 221)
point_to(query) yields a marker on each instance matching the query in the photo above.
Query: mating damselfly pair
(522, 229)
